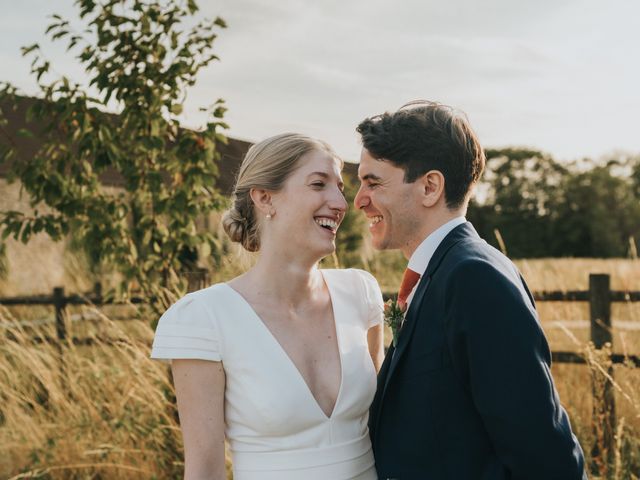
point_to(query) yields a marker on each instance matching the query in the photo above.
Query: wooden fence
(600, 297)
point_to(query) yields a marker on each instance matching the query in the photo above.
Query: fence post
(197, 279)
(604, 411)
(97, 293)
(59, 304)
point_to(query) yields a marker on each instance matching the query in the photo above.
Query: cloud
(559, 75)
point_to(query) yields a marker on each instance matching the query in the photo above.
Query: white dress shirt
(420, 259)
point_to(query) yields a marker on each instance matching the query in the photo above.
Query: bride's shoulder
(363, 291)
(190, 327)
(205, 294)
(350, 274)
(353, 277)
(200, 302)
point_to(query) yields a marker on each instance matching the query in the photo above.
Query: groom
(467, 392)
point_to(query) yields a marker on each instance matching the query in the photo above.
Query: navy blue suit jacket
(467, 394)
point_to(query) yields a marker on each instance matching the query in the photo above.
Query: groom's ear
(261, 199)
(432, 187)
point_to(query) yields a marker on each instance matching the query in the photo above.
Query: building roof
(231, 154)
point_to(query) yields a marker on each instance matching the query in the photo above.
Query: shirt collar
(422, 255)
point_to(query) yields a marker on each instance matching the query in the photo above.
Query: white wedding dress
(273, 423)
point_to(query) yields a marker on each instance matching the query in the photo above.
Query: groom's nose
(361, 200)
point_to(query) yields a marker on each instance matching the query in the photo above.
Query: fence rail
(584, 296)
(600, 297)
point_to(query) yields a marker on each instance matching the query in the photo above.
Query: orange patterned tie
(409, 280)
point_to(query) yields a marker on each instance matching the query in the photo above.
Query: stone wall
(37, 266)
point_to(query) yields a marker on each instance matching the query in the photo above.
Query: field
(107, 411)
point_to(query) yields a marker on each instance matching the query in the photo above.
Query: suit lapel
(407, 328)
(461, 232)
(384, 368)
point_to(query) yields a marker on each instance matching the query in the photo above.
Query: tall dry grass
(108, 411)
(105, 411)
(582, 387)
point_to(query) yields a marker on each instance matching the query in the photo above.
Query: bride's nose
(337, 201)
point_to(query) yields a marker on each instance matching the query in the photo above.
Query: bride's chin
(323, 251)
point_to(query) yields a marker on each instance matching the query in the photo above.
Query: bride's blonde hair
(267, 165)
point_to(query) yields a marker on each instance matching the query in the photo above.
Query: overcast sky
(558, 75)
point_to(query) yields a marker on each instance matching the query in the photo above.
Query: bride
(282, 360)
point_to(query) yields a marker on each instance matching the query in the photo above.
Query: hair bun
(237, 226)
(234, 224)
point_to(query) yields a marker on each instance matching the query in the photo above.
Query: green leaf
(192, 6)
(25, 133)
(27, 50)
(26, 233)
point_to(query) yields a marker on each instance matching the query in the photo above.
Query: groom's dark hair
(423, 136)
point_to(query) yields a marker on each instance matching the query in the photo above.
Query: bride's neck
(288, 280)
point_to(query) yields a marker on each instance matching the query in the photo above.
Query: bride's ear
(262, 200)
(432, 185)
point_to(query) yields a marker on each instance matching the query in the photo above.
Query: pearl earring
(268, 216)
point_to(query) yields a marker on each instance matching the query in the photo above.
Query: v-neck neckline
(288, 357)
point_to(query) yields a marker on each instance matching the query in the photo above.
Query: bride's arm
(375, 337)
(199, 388)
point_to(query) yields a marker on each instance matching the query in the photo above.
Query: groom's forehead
(368, 169)
(373, 169)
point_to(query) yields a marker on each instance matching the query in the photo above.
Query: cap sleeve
(373, 298)
(187, 330)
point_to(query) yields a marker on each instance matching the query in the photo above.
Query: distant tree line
(539, 207)
(543, 208)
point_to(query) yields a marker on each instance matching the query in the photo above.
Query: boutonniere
(393, 317)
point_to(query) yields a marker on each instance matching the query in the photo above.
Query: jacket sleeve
(499, 351)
